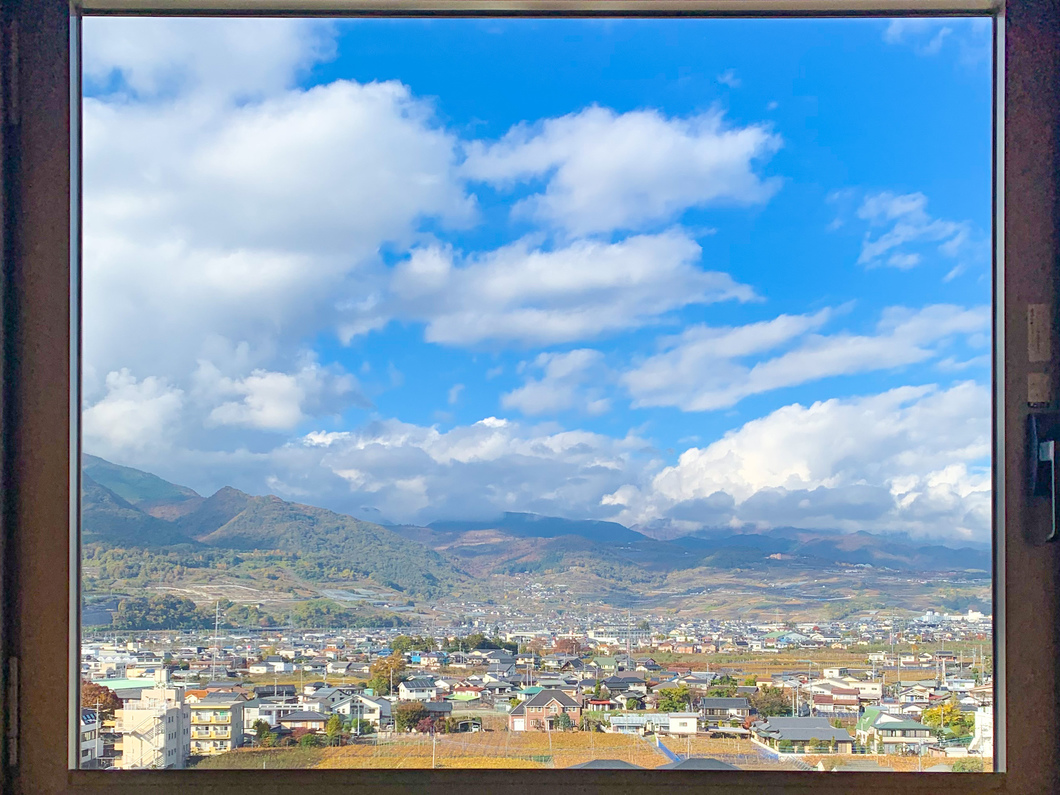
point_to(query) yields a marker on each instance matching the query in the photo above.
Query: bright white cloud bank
(911, 460)
(908, 459)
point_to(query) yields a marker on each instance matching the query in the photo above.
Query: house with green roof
(607, 665)
(891, 734)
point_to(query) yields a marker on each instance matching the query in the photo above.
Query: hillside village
(859, 694)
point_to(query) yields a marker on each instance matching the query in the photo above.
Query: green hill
(150, 493)
(108, 517)
(331, 546)
(258, 536)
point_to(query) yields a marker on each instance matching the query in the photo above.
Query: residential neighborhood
(747, 695)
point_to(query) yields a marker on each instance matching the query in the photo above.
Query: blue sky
(677, 273)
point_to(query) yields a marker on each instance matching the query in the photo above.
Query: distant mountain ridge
(127, 508)
(532, 525)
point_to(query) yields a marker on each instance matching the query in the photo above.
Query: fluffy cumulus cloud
(912, 459)
(231, 215)
(706, 368)
(607, 171)
(529, 295)
(132, 414)
(251, 221)
(568, 381)
(157, 58)
(274, 401)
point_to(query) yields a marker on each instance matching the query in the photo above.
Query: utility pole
(216, 624)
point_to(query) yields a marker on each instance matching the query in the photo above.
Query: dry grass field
(521, 750)
(497, 750)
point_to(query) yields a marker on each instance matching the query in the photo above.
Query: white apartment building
(155, 728)
(983, 738)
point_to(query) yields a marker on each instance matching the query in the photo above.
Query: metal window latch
(1043, 435)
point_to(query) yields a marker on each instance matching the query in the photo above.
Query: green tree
(333, 730)
(750, 680)
(771, 701)
(261, 730)
(968, 764)
(408, 714)
(309, 740)
(563, 722)
(675, 699)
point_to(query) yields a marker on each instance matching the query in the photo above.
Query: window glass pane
(537, 393)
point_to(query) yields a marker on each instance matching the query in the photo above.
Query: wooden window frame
(39, 241)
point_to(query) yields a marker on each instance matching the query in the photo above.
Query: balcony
(210, 720)
(211, 735)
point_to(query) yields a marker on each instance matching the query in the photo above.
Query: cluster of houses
(189, 695)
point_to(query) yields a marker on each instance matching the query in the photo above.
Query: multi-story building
(154, 728)
(216, 724)
(90, 740)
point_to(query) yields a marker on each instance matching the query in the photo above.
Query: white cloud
(911, 459)
(570, 380)
(532, 296)
(454, 393)
(274, 401)
(158, 58)
(609, 171)
(412, 473)
(901, 221)
(132, 414)
(970, 38)
(700, 369)
(230, 217)
(729, 78)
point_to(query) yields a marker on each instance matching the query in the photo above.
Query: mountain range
(126, 508)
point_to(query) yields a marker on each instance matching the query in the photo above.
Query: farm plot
(495, 750)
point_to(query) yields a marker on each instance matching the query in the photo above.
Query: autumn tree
(567, 646)
(387, 670)
(95, 696)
